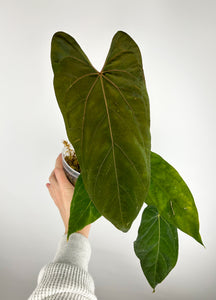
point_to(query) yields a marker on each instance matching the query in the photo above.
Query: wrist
(85, 230)
(75, 251)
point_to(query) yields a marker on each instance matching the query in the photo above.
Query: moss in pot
(70, 163)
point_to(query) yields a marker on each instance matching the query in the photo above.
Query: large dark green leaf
(107, 120)
(156, 246)
(172, 197)
(82, 210)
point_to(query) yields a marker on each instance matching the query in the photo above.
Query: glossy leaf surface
(156, 246)
(82, 210)
(107, 120)
(172, 197)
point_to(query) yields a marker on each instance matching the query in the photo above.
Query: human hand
(61, 191)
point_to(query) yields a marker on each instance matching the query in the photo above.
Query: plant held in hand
(107, 120)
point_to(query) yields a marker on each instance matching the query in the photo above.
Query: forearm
(67, 277)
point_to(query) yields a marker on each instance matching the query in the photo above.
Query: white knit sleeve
(67, 277)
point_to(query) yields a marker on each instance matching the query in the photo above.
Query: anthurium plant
(107, 120)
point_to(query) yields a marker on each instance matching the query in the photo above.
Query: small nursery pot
(70, 173)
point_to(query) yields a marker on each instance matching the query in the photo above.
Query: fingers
(57, 177)
(60, 176)
(52, 178)
(61, 190)
(58, 163)
(52, 192)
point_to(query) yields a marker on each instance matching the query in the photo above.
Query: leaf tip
(199, 240)
(57, 34)
(123, 34)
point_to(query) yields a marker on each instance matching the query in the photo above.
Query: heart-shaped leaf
(107, 120)
(82, 210)
(156, 246)
(172, 197)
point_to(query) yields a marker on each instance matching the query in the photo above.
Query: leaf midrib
(117, 183)
(158, 249)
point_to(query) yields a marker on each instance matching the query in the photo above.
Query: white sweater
(67, 277)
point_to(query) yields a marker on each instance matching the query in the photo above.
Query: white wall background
(178, 44)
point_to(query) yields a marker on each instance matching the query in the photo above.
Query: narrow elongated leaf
(172, 197)
(156, 246)
(107, 120)
(82, 210)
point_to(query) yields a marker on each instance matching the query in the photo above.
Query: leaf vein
(83, 120)
(74, 82)
(101, 167)
(129, 161)
(118, 70)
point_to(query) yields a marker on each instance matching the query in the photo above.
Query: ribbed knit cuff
(76, 251)
(63, 281)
